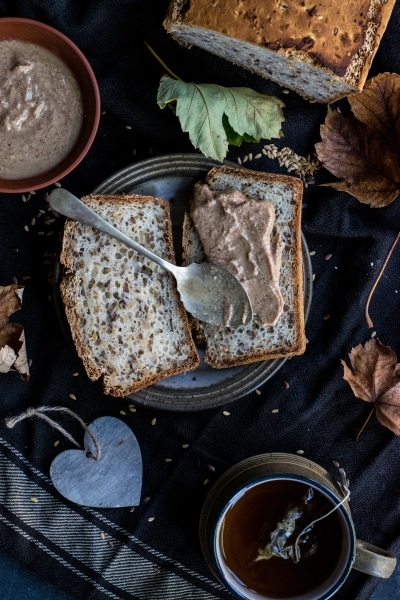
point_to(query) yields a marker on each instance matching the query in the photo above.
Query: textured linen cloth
(153, 552)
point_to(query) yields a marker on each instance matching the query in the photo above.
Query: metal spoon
(209, 292)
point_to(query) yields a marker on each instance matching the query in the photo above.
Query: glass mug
(265, 531)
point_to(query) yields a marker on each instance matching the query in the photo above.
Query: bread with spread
(322, 50)
(126, 318)
(284, 336)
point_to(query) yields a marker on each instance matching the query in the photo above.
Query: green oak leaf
(201, 109)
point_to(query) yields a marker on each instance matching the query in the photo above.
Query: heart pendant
(114, 480)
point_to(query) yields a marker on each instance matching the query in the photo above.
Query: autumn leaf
(362, 148)
(374, 376)
(215, 116)
(12, 338)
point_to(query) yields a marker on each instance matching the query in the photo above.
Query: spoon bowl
(208, 292)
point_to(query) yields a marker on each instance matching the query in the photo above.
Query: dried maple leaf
(362, 148)
(12, 337)
(375, 377)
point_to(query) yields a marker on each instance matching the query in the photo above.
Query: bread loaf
(126, 318)
(227, 347)
(322, 50)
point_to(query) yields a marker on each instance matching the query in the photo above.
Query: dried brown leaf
(12, 338)
(362, 148)
(374, 376)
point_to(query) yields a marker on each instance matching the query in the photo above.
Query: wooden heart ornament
(112, 480)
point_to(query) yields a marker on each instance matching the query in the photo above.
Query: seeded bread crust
(322, 50)
(228, 347)
(126, 318)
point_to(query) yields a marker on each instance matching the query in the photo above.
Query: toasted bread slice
(228, 347)
(126, 318)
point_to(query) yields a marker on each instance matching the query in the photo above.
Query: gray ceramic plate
(172, 177)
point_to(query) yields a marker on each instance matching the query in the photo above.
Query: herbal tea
(268, 544)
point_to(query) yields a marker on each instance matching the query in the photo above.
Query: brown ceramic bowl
(51, 39)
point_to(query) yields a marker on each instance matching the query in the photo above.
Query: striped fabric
(88, 544)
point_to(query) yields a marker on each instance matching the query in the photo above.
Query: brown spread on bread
(331, 32)
(237, 232)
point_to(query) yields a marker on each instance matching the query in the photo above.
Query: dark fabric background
(317, 410)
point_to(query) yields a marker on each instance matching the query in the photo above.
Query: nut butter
(237, 232)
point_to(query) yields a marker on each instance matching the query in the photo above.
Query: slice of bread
(227, 347)
(321, 50)
(126, 318)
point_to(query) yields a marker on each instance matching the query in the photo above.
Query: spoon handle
(67, 204)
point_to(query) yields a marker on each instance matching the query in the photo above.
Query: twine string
(41, 411)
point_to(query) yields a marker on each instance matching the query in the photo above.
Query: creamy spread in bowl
(41, 109)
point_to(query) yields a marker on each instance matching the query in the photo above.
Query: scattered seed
(312, 252)
(154, 421)
(103, 537)
(373, 334)
(156, 569)
(206, 481)
(26, 228)
(128, 127)
(146, 498)
(275, 410)
(285, 92)
(258, 392)
(57, 184)
(33, 221)
(23, 198)
(185, 445)
(239, 160)
(226, 413)
(151, 519)
(211, 468)
(328, 257)
(326, 317)
(110, 543)
(34, 499)
(132, 509)
(286, 385)
(40, 232)
(132, 409)
(299, 451)
(335, 464)
(75, 374)
(122, 412)
(72, 396)
(168, 460)
(56, 443)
